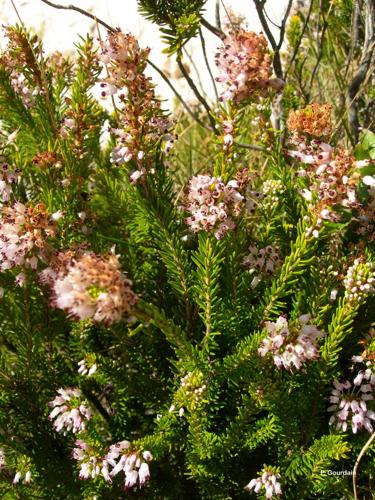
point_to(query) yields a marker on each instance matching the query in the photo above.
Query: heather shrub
(187, 296)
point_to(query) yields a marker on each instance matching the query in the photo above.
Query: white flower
(17, 478)
(69, 412)
(57, 215)
(87, 368)
(121, 460)
(368, 180)
(349, 402)
(144, 473)
(291, 349)
(27, 478)
(268, 482)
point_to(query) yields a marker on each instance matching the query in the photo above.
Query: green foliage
(179, 20)
(182, 375)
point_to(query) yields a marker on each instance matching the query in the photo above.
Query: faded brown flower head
(314, 119)
(45, 159)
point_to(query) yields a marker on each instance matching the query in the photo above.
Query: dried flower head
(314, 120)
(245, 64)
(93, 286)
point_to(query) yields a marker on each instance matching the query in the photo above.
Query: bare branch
(196, 71)
(259, 5)
(217, 15)
(363, 68)
(81, 11)
(298, 44)
(203, 44)
(359, 458)
(178, 95)
(320, 45)
(283, 24)
(196, 92)
(270, 20)
(216, 31)
(353, 34)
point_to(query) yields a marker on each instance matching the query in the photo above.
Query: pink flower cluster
(23, 89)
(24, 231)
(268, 482)
(7, 178)
(331, 168)
(118, 458)
(92, 286)
(212, 205)
(69, 412)
(245, 64)
(136, 469)
(92, 465)
(291, 345)
(331, 177)
(142, 123)
(265, 260)
(349, 401)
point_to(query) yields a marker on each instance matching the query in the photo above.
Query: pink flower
(142, 123)
(69, 412)
(24, 231)
(349, 402)
(265, 260)
(291, 346)
(245, 65)
(267, 482)
(93, 286)
(212, 205)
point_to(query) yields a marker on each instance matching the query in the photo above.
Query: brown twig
(216, 31)
(320, 45)
(298, 44)
(359, 458)
(196, 92)
(363, 68)
(81, 11)
(203, 44)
